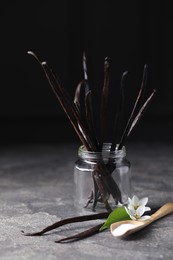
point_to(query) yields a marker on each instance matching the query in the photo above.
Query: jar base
(81, 206)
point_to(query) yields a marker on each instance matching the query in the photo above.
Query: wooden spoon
(124, 228)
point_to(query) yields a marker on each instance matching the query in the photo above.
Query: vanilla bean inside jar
(108, 169)
(102, 172)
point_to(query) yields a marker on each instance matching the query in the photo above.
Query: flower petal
(131, 207)
(129, 201)
(147, 208)
(127, 210)
(143, 201)
(130, 213)
(132, 217)
(135, 200)
(140, 210)
(145, 217)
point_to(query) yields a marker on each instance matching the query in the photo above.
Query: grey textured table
(36, 189)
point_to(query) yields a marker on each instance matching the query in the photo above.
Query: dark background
(131, 33)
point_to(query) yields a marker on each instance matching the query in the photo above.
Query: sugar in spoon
(124, 228)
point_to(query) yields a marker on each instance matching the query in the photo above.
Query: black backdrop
(131, 33)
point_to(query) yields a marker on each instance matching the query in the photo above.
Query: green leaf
(116, 215)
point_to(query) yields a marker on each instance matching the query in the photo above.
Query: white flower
(136, 208)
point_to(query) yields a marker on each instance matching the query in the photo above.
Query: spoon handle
(163, 211)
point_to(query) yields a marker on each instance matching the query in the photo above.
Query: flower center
(136, 215)
(136, 206)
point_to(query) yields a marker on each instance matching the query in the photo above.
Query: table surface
(36, 190)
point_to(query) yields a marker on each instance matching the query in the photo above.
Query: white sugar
(120, 230)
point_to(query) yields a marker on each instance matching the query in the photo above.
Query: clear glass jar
(116, 169)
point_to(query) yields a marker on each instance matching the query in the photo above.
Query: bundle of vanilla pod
(80, 113)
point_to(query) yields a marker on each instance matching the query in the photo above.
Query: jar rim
(104, 154)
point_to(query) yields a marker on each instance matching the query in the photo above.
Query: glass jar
(114, 175)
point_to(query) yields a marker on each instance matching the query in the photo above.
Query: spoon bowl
(124, 228)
